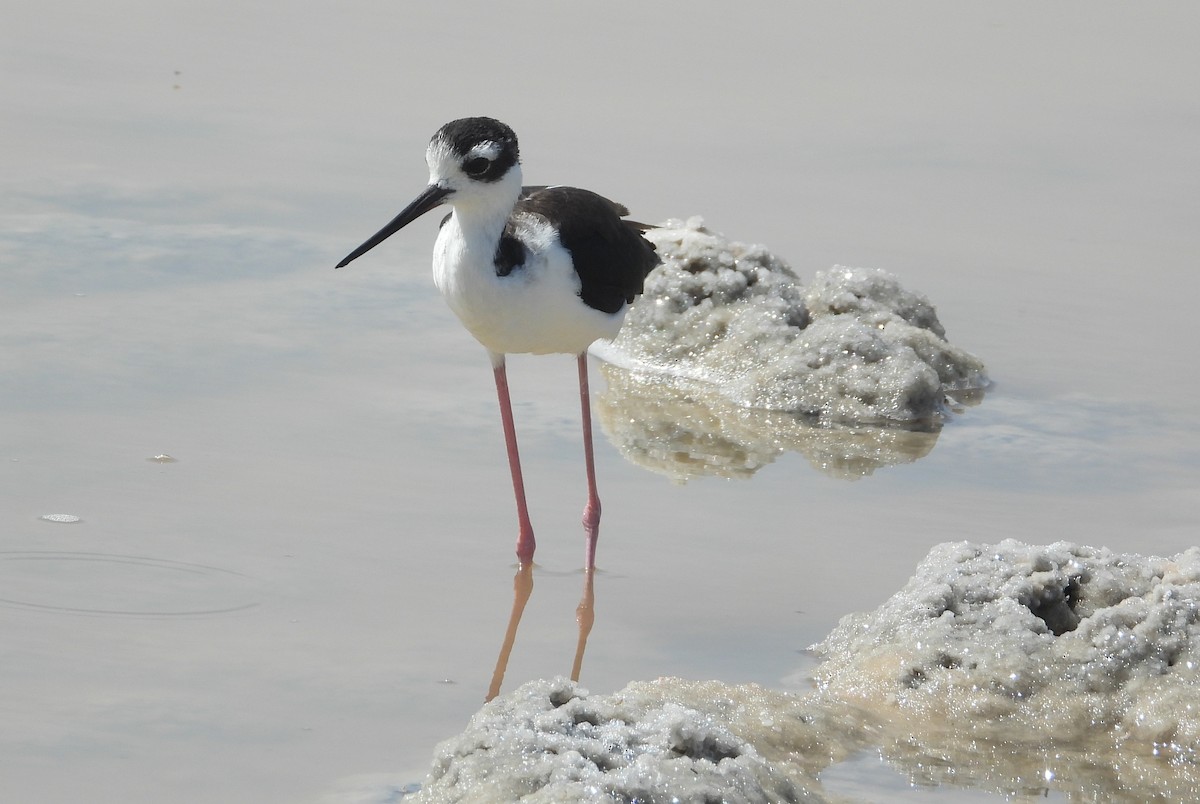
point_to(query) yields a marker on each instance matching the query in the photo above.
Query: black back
(610, 255)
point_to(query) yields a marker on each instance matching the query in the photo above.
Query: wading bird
(535, 270)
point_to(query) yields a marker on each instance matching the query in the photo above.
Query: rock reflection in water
(684, 429)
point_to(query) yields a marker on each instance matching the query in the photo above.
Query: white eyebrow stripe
(488, 150)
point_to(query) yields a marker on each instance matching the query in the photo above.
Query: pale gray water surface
(316, 589)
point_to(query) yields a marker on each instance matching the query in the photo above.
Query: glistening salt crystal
(853, 346)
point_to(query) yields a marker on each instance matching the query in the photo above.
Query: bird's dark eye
(476, 166)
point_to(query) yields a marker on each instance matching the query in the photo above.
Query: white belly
(535, 309)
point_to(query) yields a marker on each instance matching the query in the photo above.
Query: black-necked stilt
(527, 270)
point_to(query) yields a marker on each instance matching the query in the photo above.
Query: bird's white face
(475, 167)
(480, 178)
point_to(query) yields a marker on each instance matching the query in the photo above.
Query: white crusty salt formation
(1022, 641)
(1009, 667)
(852, 346)
(550, 741)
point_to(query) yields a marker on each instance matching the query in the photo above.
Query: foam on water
(852, 346)
(62, 518)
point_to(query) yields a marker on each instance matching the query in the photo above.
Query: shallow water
(316, 590)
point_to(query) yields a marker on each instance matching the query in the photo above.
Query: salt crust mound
(854, 346)
(1044, 641)
(1012, 668)
(550, 741)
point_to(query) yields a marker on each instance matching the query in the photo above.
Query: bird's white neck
(481, 224)
(482, 213)
(466, 246)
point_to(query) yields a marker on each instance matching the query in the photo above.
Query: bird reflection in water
(585, 617)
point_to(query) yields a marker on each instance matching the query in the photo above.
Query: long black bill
(427, 200)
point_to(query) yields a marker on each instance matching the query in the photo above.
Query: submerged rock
(853, 346)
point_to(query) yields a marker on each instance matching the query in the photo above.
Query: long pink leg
(525, 540)
(591, 511)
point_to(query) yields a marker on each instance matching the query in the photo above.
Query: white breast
(535, 309)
